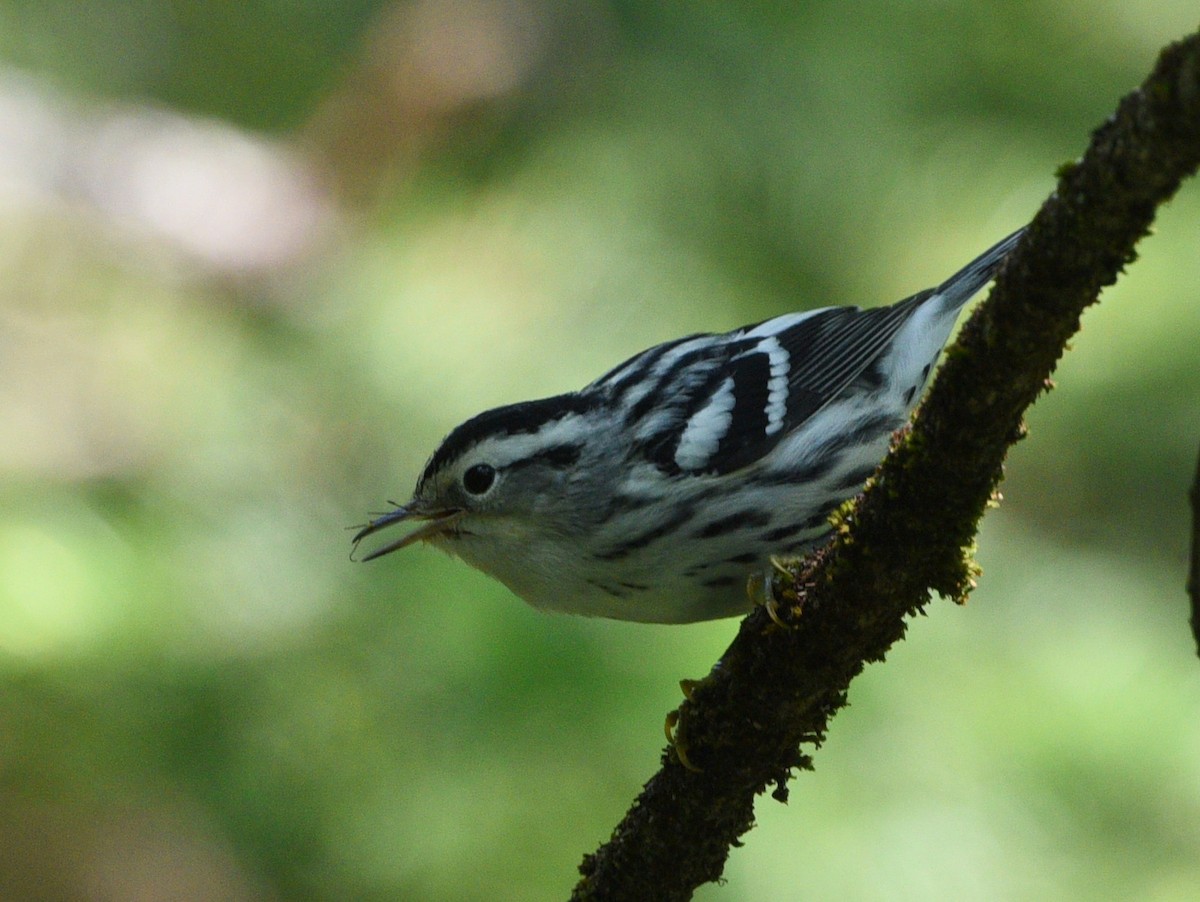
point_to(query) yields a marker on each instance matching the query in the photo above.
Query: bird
(654, 493)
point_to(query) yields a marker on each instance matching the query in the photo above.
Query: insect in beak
(435, 523)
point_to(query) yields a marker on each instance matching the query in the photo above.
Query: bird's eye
(479, 478)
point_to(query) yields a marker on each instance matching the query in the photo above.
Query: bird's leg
(760, 587)
(676, 741)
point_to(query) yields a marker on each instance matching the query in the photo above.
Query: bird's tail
(961, 287)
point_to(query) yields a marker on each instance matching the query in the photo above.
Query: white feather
(777, 387)
(705, 429)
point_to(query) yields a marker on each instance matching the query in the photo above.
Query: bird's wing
(714, 404)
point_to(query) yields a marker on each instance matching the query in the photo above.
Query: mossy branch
(775, 688)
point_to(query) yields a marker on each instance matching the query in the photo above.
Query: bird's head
(504, 477)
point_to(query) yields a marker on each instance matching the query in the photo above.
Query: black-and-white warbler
(653, 493)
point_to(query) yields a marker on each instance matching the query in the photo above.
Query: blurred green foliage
(257, 258)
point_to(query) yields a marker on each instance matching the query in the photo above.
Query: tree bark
(741, 729)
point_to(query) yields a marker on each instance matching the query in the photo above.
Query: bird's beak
(433, 523)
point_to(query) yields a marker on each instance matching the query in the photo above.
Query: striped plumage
(652, 493)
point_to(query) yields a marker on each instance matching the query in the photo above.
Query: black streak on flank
(720, 582)
(637, 542)
(607, 590)
(622, 504)
(826, 457)
(869, 429)
(854, 479)
(871, 378)
(817, 521)
(748, 558)
(747, 519)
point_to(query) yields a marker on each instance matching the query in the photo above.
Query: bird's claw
(675, 740)
(760, 587)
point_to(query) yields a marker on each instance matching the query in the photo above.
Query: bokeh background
(257, 258)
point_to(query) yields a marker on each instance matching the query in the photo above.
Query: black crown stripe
(513, 419)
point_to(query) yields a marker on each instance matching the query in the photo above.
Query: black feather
(513, 419)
